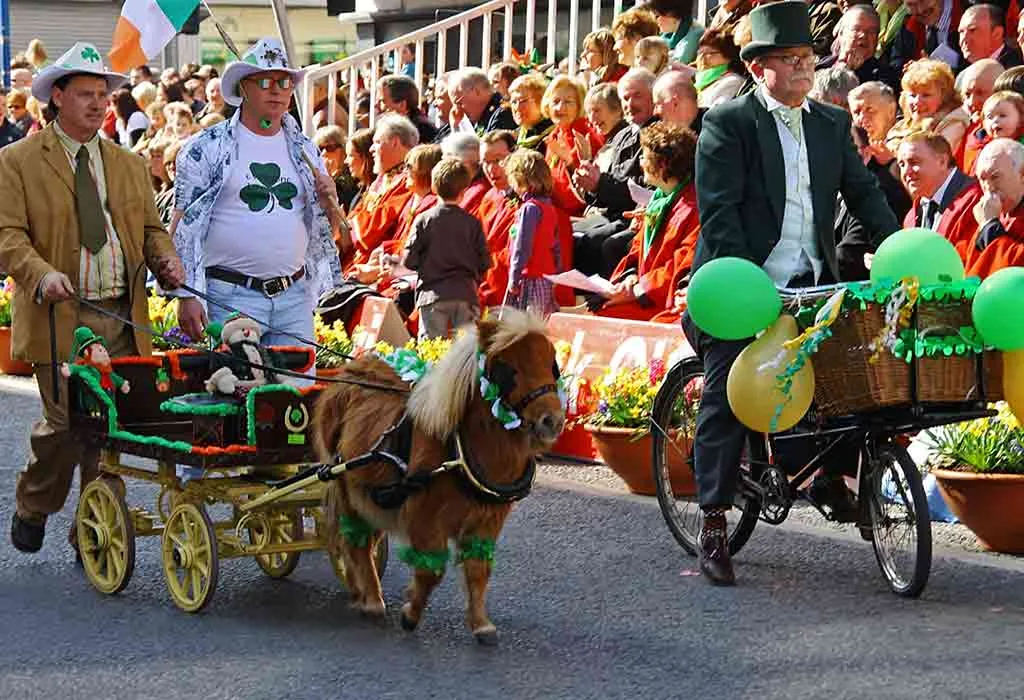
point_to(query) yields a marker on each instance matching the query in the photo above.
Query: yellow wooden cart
(228, 472)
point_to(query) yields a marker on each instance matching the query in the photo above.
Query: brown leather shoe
(715, 562)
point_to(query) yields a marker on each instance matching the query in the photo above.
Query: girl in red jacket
(533, 240)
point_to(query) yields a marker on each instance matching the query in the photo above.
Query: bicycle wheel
(900, 521)
(675, 413)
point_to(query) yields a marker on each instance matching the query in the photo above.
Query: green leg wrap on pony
(355, 530)
(433, 561)
(480, 548)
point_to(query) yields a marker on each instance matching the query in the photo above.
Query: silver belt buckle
(276, 285)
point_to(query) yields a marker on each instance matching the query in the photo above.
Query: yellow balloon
(1013, 382)
(753, 391)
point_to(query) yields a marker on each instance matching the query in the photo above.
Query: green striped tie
(91, 223)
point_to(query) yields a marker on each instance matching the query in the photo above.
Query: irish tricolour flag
(145, 28)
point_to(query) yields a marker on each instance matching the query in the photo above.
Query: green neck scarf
(707, 77)
(531, 138)
(657, 212)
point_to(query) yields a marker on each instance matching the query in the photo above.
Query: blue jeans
(290, 311)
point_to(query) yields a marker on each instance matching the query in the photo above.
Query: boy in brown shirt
(448, 250)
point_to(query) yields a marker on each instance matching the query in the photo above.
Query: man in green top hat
(769, 167)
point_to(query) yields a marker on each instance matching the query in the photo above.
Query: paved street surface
(592, 598)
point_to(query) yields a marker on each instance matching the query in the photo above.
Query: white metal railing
(370, 63)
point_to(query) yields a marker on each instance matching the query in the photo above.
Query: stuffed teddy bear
(240, 337)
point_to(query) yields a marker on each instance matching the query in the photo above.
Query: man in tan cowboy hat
(77, 221)
(252, 203)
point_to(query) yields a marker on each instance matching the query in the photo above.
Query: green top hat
(777, 25)
(84, 337)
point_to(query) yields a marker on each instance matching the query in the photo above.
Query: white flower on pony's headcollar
(508, 418)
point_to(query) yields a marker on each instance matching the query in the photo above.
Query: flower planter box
(8, 365)
(988, 504)
(630, 458)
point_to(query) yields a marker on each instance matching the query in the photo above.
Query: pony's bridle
(503, 376)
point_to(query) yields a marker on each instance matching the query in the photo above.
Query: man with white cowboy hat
(78, 221)
(253, 201)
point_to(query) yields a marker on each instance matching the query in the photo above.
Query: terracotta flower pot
(631, 459)
(328, 372)
(988, 504)
(8, 365)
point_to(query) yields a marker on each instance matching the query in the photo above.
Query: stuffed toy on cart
(240, 339)
(92, 364)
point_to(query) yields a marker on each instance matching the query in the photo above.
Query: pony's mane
(438, 402)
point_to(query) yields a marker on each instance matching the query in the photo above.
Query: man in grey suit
(769, 167)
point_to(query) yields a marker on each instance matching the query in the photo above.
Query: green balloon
(732, 299)
(917, 252)
(998, 309)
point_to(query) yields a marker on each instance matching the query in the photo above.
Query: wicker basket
(847, 381)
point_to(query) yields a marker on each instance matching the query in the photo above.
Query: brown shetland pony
(350, 419)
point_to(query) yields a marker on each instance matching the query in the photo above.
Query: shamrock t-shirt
(256, 227)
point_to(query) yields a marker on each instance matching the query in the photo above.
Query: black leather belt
(271, 287)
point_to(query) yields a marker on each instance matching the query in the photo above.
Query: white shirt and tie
(797, 252)
(931, 207)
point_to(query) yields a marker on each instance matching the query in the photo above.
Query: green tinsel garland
(179, 405)
(480, 548)
(435, 562)
(409, 366)
(355, 530)
(250, 405)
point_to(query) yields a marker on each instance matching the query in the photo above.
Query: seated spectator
(1003, 117)
(330, 140)
(525, 97)
(376, 216)
(930, 103)
(630, 27)
(442, 105)
(465, 148)
(983, 35)
(419, 164)
(999, 213)
(359, 162)
(1011, 79)
(572, 140)
(145, 94)
(154, 132)
(165, 199)
(399, 94)
(651, 53)
(856, 44)
(662, 252)
(600, 242)
(604, 112)
(832, 86)
(601, 59)
(21, 79)
(17, 111)
(729, 14)
(873, 109)
(928, 30)
(824, 16)
(976, 84)
(943, 195)
(501, 76)
(194, 93)
(495, 147)
(675, 100)
(475, 104)
(678, 27)
(720, 72)
(447, 249)
(131, 121)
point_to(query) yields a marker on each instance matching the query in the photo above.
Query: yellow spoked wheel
(106, 537)
(380, 556)
(277, 528)
(189, 549)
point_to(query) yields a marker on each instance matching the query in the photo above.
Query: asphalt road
(592, 598)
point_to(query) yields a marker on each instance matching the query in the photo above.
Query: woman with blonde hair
(572, 140)
(36, 54)
(145, 95)
(600, 59)
(929, 102)
(525, 96)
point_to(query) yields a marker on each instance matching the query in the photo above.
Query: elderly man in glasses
(769, 167)
(255, 207)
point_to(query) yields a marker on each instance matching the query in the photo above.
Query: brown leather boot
(715, 562)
